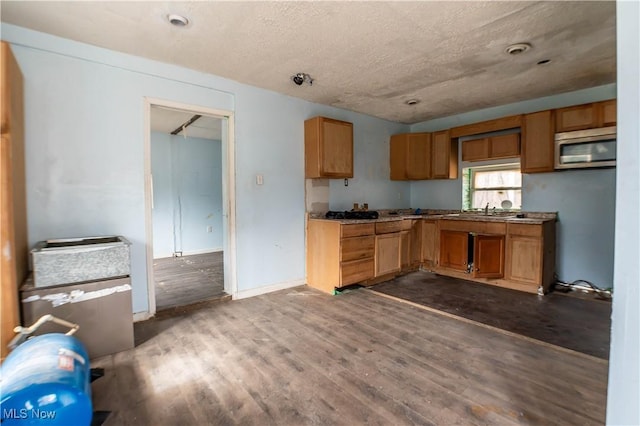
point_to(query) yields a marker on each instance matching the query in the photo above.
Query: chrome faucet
(486, 210)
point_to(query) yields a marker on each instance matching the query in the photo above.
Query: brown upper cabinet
(444, 155)
(475, 150)
(416, 156)
(410, 155)
(328, 145)
(609, 113)
(490, 148)
(537, 142)
(587, 116)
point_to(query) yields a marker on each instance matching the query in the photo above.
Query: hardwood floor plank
(575, 323)
(523, 368)
(190, 279)
(301, 357)
(313, 366)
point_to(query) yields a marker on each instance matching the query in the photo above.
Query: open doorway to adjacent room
(187, 207)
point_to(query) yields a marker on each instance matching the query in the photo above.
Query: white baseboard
(141, 316)
(201, 251)
(243, 294)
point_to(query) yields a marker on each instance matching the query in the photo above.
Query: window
(498, 187)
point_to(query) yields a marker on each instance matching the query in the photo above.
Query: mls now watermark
(24, 413)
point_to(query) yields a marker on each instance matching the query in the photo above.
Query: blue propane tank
(46, 380)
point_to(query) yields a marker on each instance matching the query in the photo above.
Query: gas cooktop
(368, 214)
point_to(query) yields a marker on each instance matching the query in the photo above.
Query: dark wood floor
(186, 280)
(299, 357)
(578, 324)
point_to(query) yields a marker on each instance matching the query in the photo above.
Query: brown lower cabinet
(531, 259)
(429, 241)
(486, 260)
(410, 244)
(520, 256)
(405, 250)
(488, 256)
(517, 255)
(454, 250)
(415, 243)
(339, 254)
(387, 253)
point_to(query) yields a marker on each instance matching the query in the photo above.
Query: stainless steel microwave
(586, 148)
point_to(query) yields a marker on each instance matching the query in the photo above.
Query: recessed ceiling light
(177, 20)
(543, 62)
(516, 49)
(412, 102)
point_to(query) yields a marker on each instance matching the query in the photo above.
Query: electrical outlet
(209, 228)
(259, 180)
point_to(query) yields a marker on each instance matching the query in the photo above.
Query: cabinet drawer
(357, 248)
(356, 271)
(406, 224)
(357, 229)
(525, 230)
(388, 227)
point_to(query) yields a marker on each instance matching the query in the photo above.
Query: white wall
(187, 194)
(84, 112)
(163, 198)
(624, 359)
(584, 199)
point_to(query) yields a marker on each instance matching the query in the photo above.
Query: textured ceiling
(368, 57)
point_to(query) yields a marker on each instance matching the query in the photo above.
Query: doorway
(188, 164)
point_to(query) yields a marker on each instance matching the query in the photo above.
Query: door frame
(228, 193)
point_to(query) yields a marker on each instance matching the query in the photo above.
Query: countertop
(531, 218)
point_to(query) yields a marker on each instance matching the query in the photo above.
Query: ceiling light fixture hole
(412, 102)
(544, 61)
(518, 48)
(301, 77)
(177, 20)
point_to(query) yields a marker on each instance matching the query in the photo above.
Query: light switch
(259, 180)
